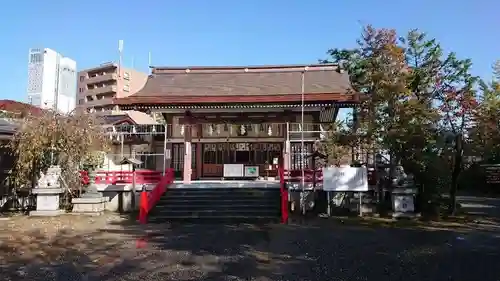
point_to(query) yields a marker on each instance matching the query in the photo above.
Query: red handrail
(117, 177)
(149, 199)
(284, 196)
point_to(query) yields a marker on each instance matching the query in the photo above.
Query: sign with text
(492, 174)
(251, 171)
(233, 170)
(344, 179)
(403, 203)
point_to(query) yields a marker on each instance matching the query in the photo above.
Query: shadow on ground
(311, 250)
(314, 249)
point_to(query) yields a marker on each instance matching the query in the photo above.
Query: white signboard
(403, 203)
(233, 170)
(251, 171)
(343, 179)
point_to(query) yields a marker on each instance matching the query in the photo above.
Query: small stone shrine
(47, 193)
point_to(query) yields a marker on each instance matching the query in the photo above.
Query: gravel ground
(105, 248)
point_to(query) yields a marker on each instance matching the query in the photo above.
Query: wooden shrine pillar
(199, 151)
(188, 134)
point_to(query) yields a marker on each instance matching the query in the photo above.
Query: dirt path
(104, 248)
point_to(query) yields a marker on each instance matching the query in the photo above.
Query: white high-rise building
(51, 80)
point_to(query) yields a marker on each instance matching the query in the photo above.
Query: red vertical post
(143, 206)
(284, 196)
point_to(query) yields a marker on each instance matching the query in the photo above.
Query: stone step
(216, 207)
(234, 219)
(210, 200)
(248, 213)
(217, 203)
(202, 197)
(223, 191)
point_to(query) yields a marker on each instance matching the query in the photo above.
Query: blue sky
(223, 32)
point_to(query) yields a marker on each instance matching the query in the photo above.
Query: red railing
(309, 175)
(117, 177)
(284, 196)
(149, 199)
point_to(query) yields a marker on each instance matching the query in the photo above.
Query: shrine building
(205, 118)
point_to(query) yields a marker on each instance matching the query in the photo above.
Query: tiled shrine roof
(246, 84)
(18, 107)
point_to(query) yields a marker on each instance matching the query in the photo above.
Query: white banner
(233, 170)
(345, 179)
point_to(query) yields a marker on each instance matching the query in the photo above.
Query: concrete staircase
(212, 204)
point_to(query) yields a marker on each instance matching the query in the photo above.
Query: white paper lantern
(210, 129)
(322, 134)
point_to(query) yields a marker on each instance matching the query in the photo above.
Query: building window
(81, 101)
(126, 75)
(126, 88)
(82, 78)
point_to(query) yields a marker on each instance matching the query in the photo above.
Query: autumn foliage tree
(49, 138)
(415, 96)
(485, 131)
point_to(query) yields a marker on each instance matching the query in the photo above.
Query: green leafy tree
(485, 132)
(337, 144)
(457, 105)
(419, 152)
(378, 70)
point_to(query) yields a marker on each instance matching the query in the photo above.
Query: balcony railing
(265, 130)
(102, 101)
(101, 78)
(101, 90)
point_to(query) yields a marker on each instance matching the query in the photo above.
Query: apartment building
(51, 80)
(98, 86)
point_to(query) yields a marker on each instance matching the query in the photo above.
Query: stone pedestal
(92, 203)
(47, 202)
(403, 202)
(92, 206)
(47, 194)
